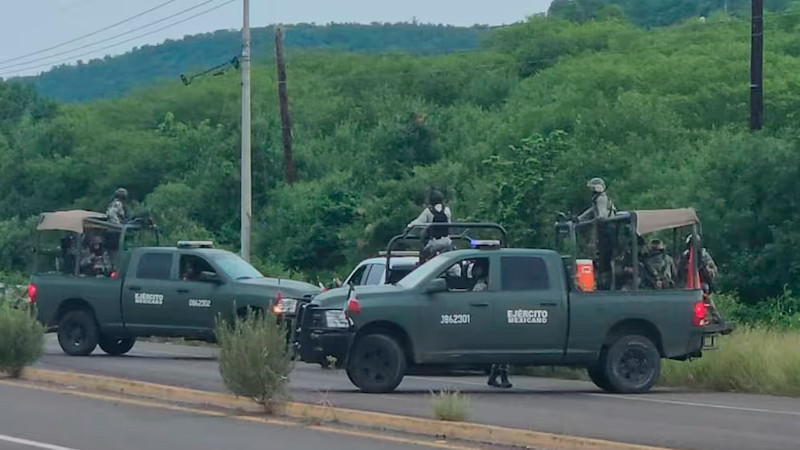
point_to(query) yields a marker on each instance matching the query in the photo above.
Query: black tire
(78, 333)
(631, 365)
(598, 377)
(115, 346)
(376, 364)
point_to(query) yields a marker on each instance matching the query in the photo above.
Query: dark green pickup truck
(146, 291)
(532, 312)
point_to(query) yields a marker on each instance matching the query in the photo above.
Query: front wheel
(116, 346)
(78, 333)
(377, 364)
(631, 365)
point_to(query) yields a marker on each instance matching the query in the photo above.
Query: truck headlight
(286, 306)
(336, 319)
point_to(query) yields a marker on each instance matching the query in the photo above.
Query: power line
(17, 58)
(44, 58)
(71, 58)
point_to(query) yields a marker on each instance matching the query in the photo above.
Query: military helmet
(596, 184)
(657, 244)
(121, 192)
(435, 197)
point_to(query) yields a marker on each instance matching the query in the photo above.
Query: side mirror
(210, 277)
(436, 285)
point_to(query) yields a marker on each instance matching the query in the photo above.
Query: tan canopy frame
(650, 221)
(73, 220)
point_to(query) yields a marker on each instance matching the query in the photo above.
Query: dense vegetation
(512, 132)
(116, 76)
(655, 13)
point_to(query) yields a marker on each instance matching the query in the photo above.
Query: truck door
(197, 298)
(459, 320)
(149, 297)
(530, 310)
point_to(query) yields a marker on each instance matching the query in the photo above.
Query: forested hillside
(655, 13)
(512, 132)
(115, 76)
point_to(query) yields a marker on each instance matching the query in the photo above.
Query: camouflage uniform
(97, 261)
(660, 267)
(602, 206)
(707, 267)
(116, 210)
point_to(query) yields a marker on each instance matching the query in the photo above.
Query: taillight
(114, 275)
(699, 318)
(353, 306)
(278, 308)
(31, 292)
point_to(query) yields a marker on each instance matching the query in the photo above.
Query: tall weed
(254, 361)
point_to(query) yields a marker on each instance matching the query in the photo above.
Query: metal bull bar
(464, 235)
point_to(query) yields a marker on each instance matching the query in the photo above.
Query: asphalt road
(54, 421)
(666, 417)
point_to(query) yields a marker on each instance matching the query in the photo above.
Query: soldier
(438, 237)
(602, 206)
(707, 267)
(97, 262)
(480, 273)
(116, 210)
(660, 266)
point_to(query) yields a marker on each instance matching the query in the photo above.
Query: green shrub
(450, 406)
(253, 360)
(21, 337)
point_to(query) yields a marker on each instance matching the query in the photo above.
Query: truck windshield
(423, 271)
(235, 267)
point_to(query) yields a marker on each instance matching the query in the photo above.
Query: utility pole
(286, 120)
(756, 66)
(245, 165)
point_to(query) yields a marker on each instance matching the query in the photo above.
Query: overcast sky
(28, 26)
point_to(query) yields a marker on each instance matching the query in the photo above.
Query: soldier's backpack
(439, 217)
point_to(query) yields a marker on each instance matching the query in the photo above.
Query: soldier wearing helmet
(602, 206)
(96, 260)
(660, 270)
(706, 265)
(116, 210)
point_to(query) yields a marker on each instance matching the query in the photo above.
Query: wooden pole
(756, 67)
(290, 174)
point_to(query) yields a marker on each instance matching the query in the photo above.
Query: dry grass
(755, 360)
(450, 406)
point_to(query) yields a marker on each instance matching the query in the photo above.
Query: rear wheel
(598, 377)
(78, 333)
(631, 365)
(116, 346)
(377, 364)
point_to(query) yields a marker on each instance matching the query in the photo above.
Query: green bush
(254, 361)
(21, 337)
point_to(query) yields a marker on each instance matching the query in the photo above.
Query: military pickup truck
(112, 294)
(532, 312)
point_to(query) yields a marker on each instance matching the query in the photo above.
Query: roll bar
(424, 230)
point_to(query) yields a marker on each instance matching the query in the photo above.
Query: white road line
(30, 443)
(643, 399)
(701, 405)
